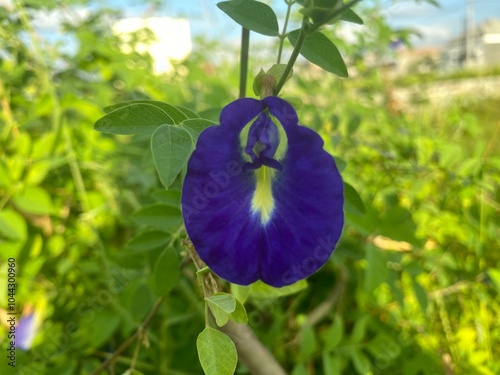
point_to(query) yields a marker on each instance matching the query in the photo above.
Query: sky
(436, 25)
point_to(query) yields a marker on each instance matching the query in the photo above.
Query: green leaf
(252, 15)
(350, 16)
(376, 268)
(308, 344)
(159, 216)
(340, 163)
(187, 112)
(320, 50)
(421, 295)
(240, 292)
(196, 126)
(217, 352)
(331, 364)
(299, 369)
(166, 271)
(55, 244)
(360, 361)
(171, 197)
(140, 301)
(320, 11)
(101, 325)
(34, 200)
(5, 179)
(132, 372)
(171, 147)
(264, 291)
(494, 275)
(177, 114)
(133, 118)
(334, 334)
(353, 124)
(397, 223)
(353, 203)
(39, 170)
(358, 332)
(239, 315)
(12, 225)
(148, 240)
(221, 305)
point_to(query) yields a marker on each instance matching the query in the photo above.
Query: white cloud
(173, 38)
(409, 10)
(46, 21)
(435, 34)
(348, 31)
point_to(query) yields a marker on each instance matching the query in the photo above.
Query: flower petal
(25, 331)
(280, 228)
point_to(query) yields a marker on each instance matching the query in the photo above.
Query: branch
(251, 352)
(142, 328)
(325, 307)
(293, 57)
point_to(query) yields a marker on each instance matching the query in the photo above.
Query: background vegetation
(411, 289)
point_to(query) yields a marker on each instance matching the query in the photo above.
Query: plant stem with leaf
(306, 29)
(335, 12)
(293, 57)
(282, 36)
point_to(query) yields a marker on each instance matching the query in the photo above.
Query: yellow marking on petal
(263, 201)
(283, 146)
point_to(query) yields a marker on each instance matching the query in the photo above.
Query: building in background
(483, 50)
(171, 39)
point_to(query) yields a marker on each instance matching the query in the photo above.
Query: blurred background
(413, 286)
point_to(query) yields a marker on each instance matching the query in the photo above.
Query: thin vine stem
(282, 36)
(305, 30)
(245, 43)
(138, 334)
(293, 57)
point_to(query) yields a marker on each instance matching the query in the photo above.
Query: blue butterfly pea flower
(26, 330)
(261, 199)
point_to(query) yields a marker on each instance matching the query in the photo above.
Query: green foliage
(319, 50)
(138, 116)
(224, 307)
(350, 16)
(217, 352)
(166, 272)
(252, 15)
(353, 202)
(171, 147)
(411, 289)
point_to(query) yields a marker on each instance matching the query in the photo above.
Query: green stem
(142, 328)
(76, 172)
(5, 199)
(245, 42)
(283, 33)
(293, 57)
(305, 30)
